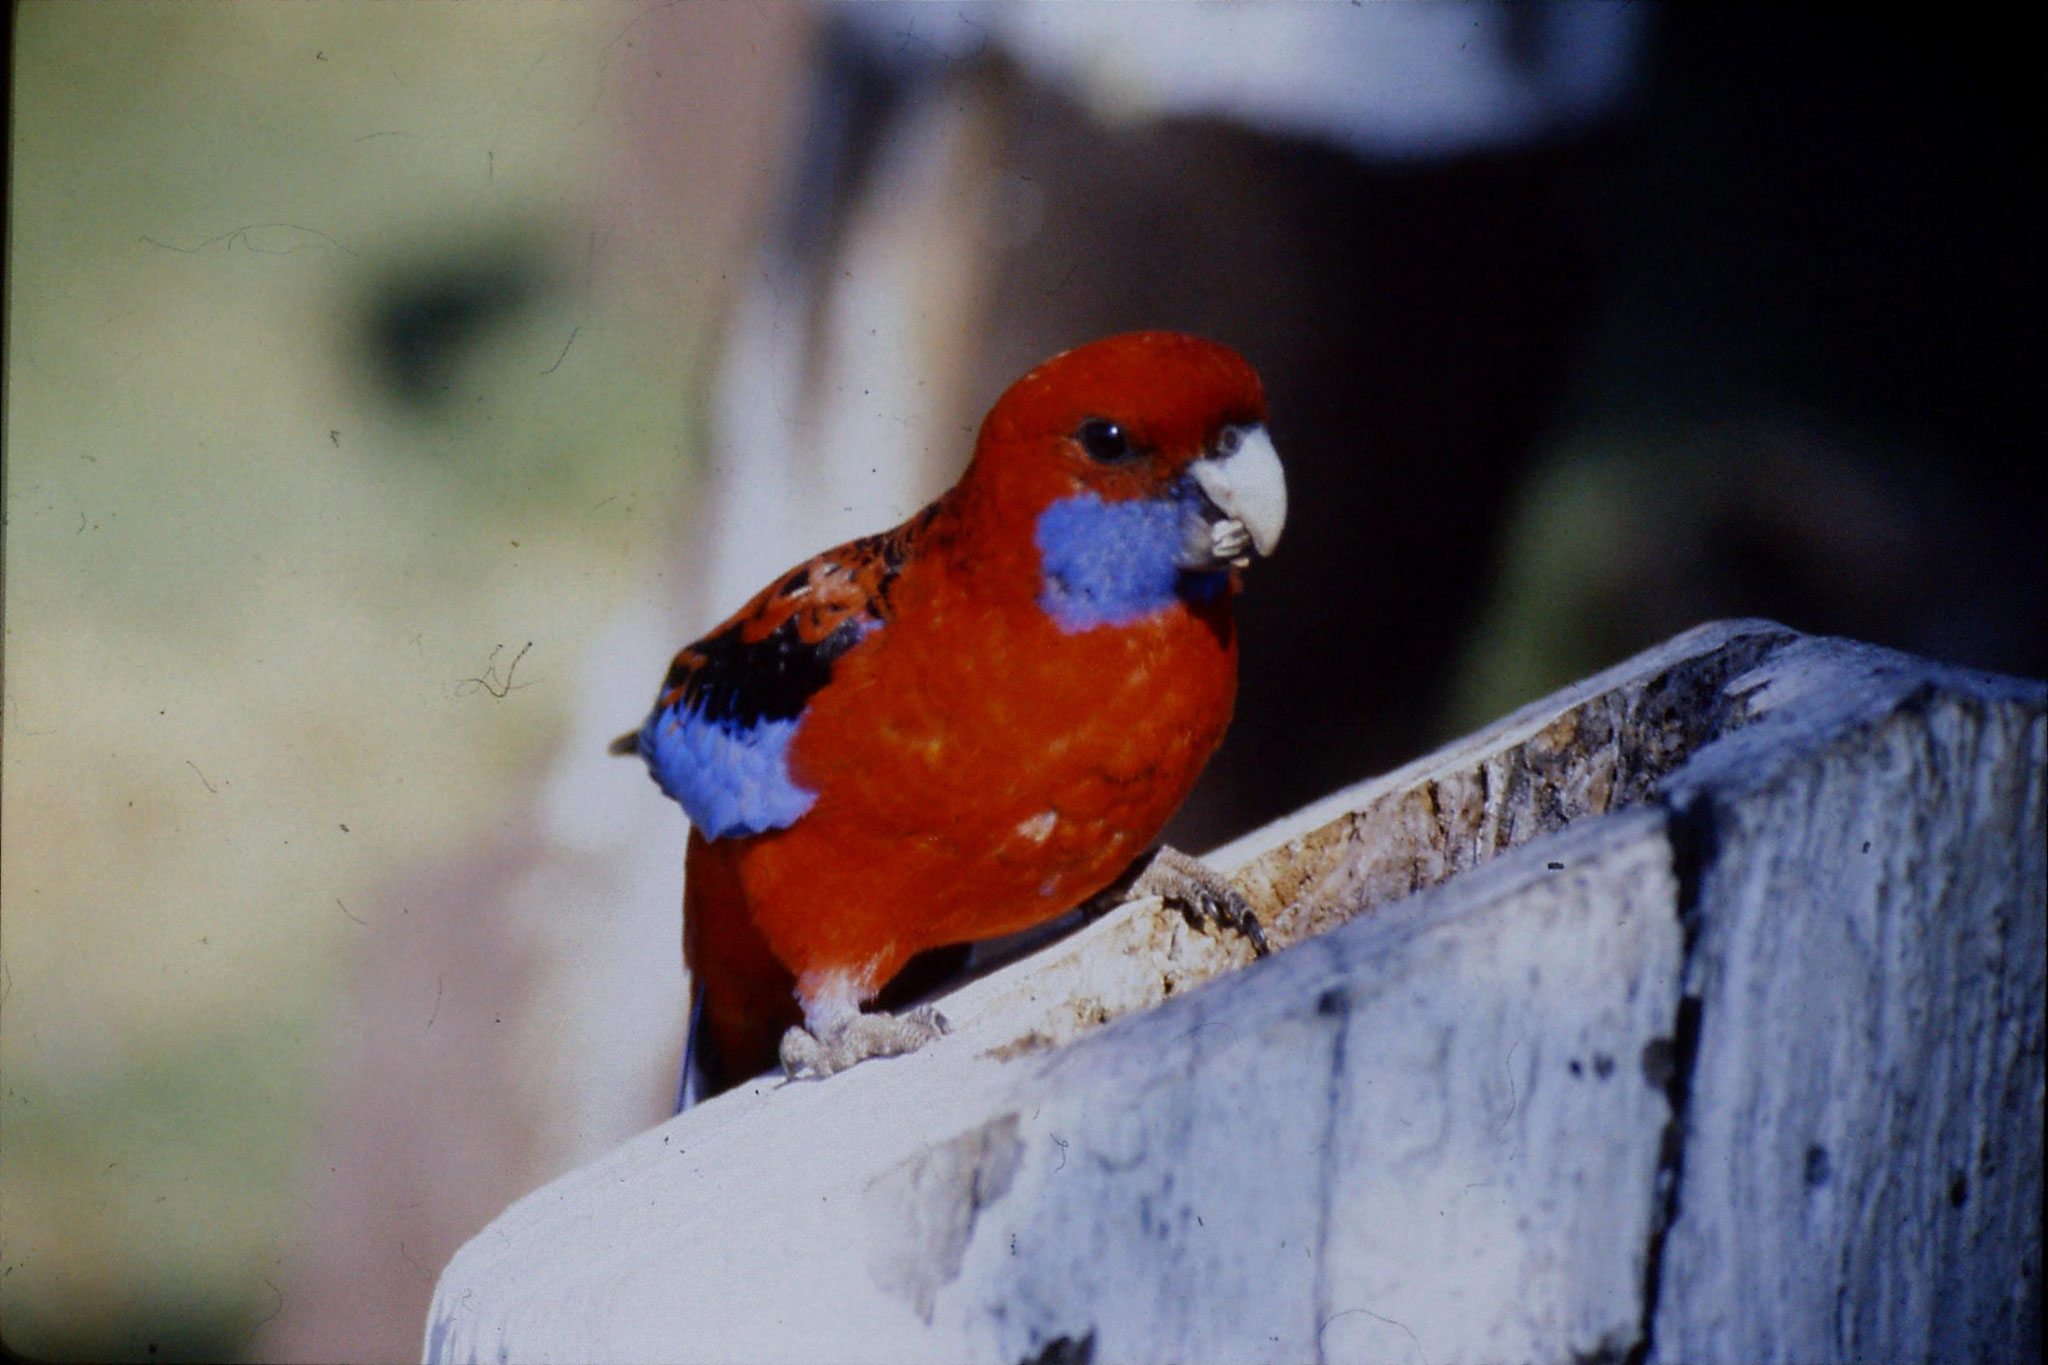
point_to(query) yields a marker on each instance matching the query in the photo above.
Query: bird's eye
(1103, 440)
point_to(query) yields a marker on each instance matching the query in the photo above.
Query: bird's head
(1145, 467)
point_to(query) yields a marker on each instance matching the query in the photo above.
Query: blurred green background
(336, 376)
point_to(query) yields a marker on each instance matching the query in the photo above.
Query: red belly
(964, 795)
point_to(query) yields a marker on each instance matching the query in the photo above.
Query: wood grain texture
(1861, 1175)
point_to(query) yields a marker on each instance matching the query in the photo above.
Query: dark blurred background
(390, 391)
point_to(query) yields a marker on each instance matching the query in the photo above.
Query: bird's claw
(1201, 894)
(807, 1055)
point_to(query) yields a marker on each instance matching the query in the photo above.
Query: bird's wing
(718, 738)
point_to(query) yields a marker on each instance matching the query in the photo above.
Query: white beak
(1245, 482)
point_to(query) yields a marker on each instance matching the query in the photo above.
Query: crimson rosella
(970, 724)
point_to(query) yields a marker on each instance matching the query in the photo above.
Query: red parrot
(972, 723)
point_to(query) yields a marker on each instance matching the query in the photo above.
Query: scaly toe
(1202, 895)
(806, 1055)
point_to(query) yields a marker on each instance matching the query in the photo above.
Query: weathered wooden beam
(1860, 1176)
(1694, 1013)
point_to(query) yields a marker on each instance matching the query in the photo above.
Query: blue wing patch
(718, 740)
(729, 780)
(718, 743)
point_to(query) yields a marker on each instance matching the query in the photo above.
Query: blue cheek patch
(1110, 563)
(729, 780)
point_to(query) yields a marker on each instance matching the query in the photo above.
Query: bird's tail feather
(691, 1076)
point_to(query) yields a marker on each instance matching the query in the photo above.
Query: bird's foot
(1200, 893)
(844, 1038)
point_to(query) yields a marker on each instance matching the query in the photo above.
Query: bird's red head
(1120, 465)
(1121, 417)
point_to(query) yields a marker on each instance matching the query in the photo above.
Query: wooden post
(1693, 1014)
